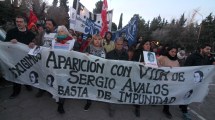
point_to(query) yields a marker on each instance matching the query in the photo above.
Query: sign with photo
(48, 37)
(150, 59)
(34, 51)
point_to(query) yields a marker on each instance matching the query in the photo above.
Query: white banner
(70, 74)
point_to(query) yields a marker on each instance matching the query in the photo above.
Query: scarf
(63, 38)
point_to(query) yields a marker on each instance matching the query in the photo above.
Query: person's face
(108, 36)
(89, 39)
(206, 50)
(197, 77)
(33, 29)
(49, 26)
(146, 46)
(173, 52)
(153, 45)
(97, 42)
(20, 23)
(40, 29)
(130, 54)
(33, 78)
(151, 57)
(119, 45)
(61, 32)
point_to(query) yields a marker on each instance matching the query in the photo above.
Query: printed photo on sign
(150, 59)
(34, 77)
(67, 46)
(188, 94)
(50, 80)
(35, 50)
(198, 76)
(48, 38)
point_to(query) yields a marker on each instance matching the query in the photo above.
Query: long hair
(142, 43)
(108, 32)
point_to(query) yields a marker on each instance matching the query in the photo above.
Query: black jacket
(24, 37)
(196, 59)
(114, 55)
(138, 55)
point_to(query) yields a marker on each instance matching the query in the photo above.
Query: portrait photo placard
(34, 51)
(150, 59)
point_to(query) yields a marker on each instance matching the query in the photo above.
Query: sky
(149, 9)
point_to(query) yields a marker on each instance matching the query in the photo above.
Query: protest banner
(70, 74)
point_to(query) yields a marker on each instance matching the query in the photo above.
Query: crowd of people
(118, 49)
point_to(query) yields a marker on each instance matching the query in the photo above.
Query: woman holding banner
(138, 56)
(169, 59)
(63, 37)
(95, 48)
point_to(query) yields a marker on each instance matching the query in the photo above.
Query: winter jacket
(114, 55)
(196, 59)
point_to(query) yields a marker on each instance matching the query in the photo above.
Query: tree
(42, 13)
(177, 33)
(98, 8)
(39, 9)
(156, 23)
(173, 22)
(10, 9)
(7, 12)
(54, 3)
(207, 32)
(63, 17)
(63, 4)
(182, 20)
(120, 22)
(143, 27)
(60, 19)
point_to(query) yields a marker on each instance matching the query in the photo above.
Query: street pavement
(27, 107)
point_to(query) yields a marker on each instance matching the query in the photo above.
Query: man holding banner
(23, 35)
(117, 54)
(196, 59)
(45, 39)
